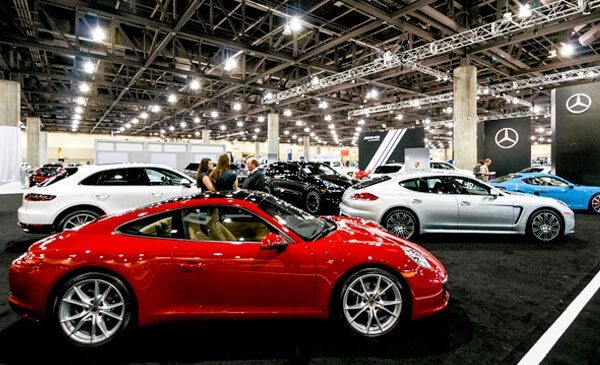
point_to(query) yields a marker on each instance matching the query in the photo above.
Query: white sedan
(66, 202)
(416, 203)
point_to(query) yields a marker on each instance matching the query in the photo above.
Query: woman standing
(222, 177)
(202, 176)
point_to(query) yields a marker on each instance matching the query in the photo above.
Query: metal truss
(509, 24)
(523, 113)
(403, 104)
(571, 75)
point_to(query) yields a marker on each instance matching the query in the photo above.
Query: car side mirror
(272, 241)
(185, 183)
(494, 194)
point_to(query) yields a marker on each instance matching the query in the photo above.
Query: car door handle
(192, 266)
(464, 203)
(417, 201)
(157, 193)
(102, 195)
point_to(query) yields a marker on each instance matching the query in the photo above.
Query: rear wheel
(312, 201)
(76, 219)
(545, 226)
(92, 309)
(595, 204)
(401, 223)
(268, 189)
(372, 302)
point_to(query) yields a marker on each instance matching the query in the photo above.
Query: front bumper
(569, 223)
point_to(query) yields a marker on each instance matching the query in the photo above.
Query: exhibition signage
(378, 148)
(576, 132)
(508, 143)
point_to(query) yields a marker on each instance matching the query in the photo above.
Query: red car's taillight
(37, 172)
(39, 197)
(28, 259)
(364, 196)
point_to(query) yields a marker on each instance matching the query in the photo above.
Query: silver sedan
(417, 203)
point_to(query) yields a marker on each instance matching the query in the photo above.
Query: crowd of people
(221, 178)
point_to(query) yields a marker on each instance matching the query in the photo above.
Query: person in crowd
(256, 179)
(477, 169)
(485, 171)
(222, 177)
(202, 176)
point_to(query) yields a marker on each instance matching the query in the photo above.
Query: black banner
(576, 133)
(507, 143)
(378, 148)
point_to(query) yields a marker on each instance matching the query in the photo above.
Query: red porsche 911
(223, 256)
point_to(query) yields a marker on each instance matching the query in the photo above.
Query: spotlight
(196, 133)
(80, 100)
(567, 50)
(144, 115)
(155, 108)
(286, 132)
(361, 122)
(182, 124)
(134, 121)
(98, 34)
(332, 126)
(399, 117)
(122, 129)
(84, 87)
(88, 67)
(214, 114)
(298, 122)
(256, 130)
(78, 110)
(222, 127)
(268, 95)
(127, 126)
(315, 81)
(195, 85)
(261, 119)
(162, 131)
(237, 106)
(196, 120)
(172, 98)
(287, 30)
(387, 56)
(230, 64)
(307, 129)
(77, 116)
(287, 113)
(328, 118)
(240, 124)
(295, 24)
(323, 104)
(171, 128)
(524, 11)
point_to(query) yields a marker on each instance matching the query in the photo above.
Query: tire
(76, 218)
(409, 230)
(374, 312)
(312, 201)
(84, 322)
(268, 189)
(545, 226)
(595, 204)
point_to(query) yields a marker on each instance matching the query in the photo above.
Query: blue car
(552, 186)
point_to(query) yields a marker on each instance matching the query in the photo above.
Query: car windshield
(505, 178)
(58, 177)
(312, 169)
(388, 169)
(192, 166)
(371, 182)
(301, 223)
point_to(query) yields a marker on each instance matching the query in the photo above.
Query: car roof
(246, 195)
(103, 167)
(417, 174)
(393, 164)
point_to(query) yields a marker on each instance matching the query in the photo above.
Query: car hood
(340, 180)
(359, 232)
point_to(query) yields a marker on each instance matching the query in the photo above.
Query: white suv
(66, 202)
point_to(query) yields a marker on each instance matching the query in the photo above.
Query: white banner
(10, 153)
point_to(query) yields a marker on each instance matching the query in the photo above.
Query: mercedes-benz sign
(578, 103)
(506, 138)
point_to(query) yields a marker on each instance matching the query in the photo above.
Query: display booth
(378, 148)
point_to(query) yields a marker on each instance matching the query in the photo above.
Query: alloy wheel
(78, 220)
(372, 304)
(401, 223)
(313, 201)
(596, 203)
(545, 226)
(91, 311)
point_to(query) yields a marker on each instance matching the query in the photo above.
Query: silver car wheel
(401, 223)
(91, 311)
(596, 203)
(372, 304)
(78, 220)
(545, 226)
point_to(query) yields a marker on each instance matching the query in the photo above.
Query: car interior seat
(160, 228)
(217, 230)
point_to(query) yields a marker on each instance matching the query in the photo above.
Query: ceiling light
(182, 124)
(286, 132)
(196, 120)
(507, 15)
(155, 108)
(134, 121)
(567, 50)
(261, 119)
(98, 34)
(171, 128)
(78, 110)
(552, 53)
(287, 113)
(384, 126)
(162, 131)
(195, 85)
(399, 116)
(80, 100)
(361, 122)
(524, 11)
(256, 130)
(323, 104)
(533, 138)
(239, 124)
(222, 127)
(237, 106)
(77, 116)
(294, 136)
(540, 129)
(307, 129)
(287, 30)
(127, 126)
(358, 129)
(196, 133)
(328, 118)
(214, 114)
(172, 98)
(144, 115)
(88, 67)
(230, 64)
(449, 110)
(332, 126)
(268, 95)
(122, 129)
(315, 81)
(312, 134)
(254, 136)
(84, 87)
(295, 24)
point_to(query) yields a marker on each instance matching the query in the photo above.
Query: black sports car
(311, 186)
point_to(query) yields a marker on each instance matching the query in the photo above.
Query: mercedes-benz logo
(507, 138)
(578, 103)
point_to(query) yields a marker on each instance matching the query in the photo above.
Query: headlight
(416, 257)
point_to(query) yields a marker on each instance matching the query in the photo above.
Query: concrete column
(318, 150)
(306, 142)
(257, 149)
(34, 147)
(465, 117)
(206, 136)
(10, 133)
(273, 137)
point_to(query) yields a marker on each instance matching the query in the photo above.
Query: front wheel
(372, 302)
(545, 226)
(312, 201)
(92, 309)
(595, 204)
(268, 189)
(401, 223)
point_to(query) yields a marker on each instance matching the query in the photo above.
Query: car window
(162, 177)
(335, 164)
(467, 186)
(441, 166)
(551, 181)
(123, 177)
(224, 223)
(192, 166)
(313, 169)
(290, 169)
(433, 185)
(412, 184)
(387, 169)
(92, 179)
(273, 170)
(303, 224)
(157, 225)
(505, 178)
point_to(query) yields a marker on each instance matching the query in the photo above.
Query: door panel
(121, 189)
(436, 209)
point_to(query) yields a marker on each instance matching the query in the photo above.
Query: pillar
(10, 133)
(306, 142)
(257, 149)
(273, 137)
(206, 136)
(36, 142)
(465, 117)
(318, 150)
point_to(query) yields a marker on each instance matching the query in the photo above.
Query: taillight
(39, 197)
(29, 259)
(364, 196)
(36, 172)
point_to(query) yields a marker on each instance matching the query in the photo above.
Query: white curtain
(10, 153)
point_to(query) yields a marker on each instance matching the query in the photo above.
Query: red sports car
(216, 255)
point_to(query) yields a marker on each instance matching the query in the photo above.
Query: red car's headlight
(28, 259)
(39, 197)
